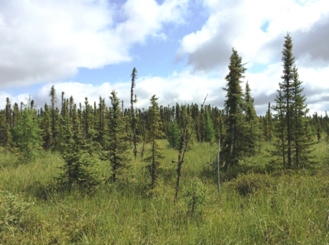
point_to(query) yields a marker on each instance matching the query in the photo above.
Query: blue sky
(181, 48)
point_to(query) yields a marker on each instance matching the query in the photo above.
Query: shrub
(249, 183)
(195, 197)
(12, 211)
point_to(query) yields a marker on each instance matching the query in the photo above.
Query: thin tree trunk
(183, 149)
(218, 155)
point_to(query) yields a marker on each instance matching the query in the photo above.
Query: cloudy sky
(181, 48)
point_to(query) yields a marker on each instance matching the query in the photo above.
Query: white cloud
(48, 40)
(238, 24)
(187, 87)
(177, 88)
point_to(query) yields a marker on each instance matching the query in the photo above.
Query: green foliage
(250, 183)
(115, 150)
(154, 134)
(209, 132)
(251, 127)
(45, 125)
(6, 138)
(292, 147)
(27, 135)
(277, 211)
(79, 170)
(173, 135)
(268, 124)
(12, 213)
(234, 143)
(196, 195)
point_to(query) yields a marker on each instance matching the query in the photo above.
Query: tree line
(84, 132)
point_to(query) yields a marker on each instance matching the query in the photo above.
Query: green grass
(254, 206)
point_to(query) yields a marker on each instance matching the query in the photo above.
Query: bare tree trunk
(183, 148)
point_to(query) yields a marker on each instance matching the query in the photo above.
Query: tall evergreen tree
(117, 145)
(301, 137)
(45, 125)
(133, 118)
(251, 122)
(154, 134)
(268, 127)
(291, 126)
(287, 91)
(209, 132)
(233, 144)
(54, 119)
(8, 113)
(101, 127)
(15, 114)
(280, 129)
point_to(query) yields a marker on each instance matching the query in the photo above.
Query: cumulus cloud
(177, 88)
(187, 87)
(43, 41)
(240, 25)
(256, 29)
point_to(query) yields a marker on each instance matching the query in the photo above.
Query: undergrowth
(257, 204)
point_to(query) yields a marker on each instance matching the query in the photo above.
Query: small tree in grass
(79, 167)
(117, 145)
(27, 135)
(173, 135)
(154, 133)
(195, 197)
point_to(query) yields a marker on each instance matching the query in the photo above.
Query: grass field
(253, 206)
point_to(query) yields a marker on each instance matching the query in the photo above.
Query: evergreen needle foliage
(293, 139)
(27, 135)
(79, 170)
(116, 146)
(234, 143)
(173, 135)
(154, 133)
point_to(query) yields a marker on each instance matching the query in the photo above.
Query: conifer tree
(101, 122)
(280, 126)
(251, 120)
(268, 127)
(54, 118)
(15, 114)
(8, 113)
(173, 135)
(185, 137)
(291, 114)
(27, 135)
(301, 137)
(45, 125)
(79, 167)
(154, 134)
(209, 132)
(233, 143)
(133, 118)
(117, 145)
(287, 91)
(6, 138)
(317, 126)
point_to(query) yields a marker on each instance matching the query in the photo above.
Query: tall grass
(256, 207)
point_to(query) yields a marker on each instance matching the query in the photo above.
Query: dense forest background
(185, 173)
